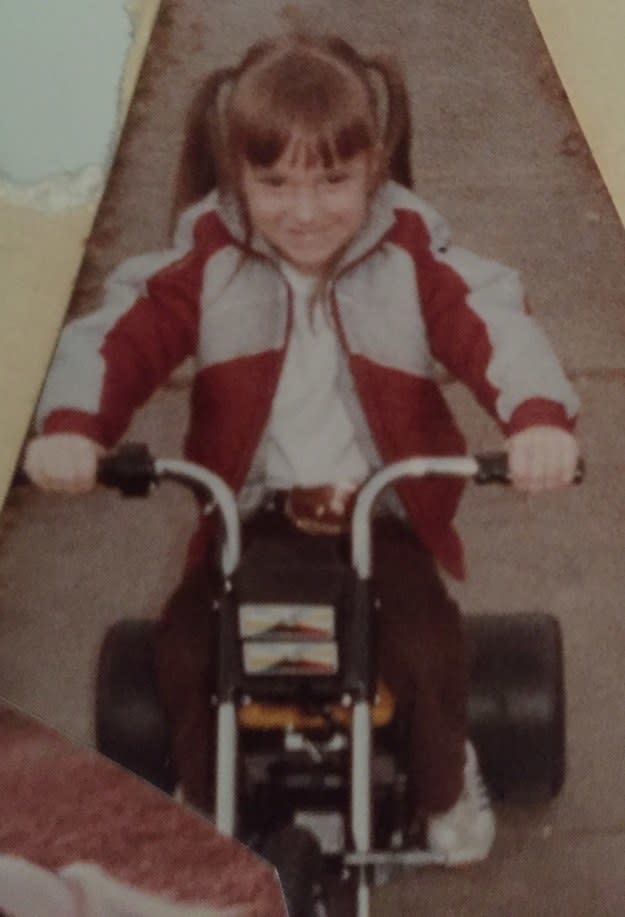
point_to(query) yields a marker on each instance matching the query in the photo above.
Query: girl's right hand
(63, 462)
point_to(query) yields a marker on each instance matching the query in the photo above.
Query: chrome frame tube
(361, 795)
(224, 497)
(226, 776)
(363, 895)
(456, 466)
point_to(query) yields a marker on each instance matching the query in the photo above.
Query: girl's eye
(336, 178)
(272, 181)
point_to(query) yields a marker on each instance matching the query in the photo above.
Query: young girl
(316, 291)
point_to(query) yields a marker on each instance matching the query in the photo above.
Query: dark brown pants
(421, 652)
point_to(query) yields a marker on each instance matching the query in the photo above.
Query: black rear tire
(130, 724)
(517, 704)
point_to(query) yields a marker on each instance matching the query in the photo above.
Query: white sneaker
(465, 833)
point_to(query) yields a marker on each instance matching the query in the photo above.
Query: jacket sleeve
(109, 362)
(480, 329)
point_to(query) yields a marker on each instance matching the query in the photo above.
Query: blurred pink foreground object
(85, 890)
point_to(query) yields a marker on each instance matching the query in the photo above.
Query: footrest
(400, 858)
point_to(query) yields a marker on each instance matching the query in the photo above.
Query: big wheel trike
(310, 761)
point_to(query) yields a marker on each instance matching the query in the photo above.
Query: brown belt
(322, 510)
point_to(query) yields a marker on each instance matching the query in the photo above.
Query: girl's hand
(542, 458)
(63, 462)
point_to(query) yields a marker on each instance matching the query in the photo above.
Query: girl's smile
(308, 211)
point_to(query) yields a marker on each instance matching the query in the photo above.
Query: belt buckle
(326, 509)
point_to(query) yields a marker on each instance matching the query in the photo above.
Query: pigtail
(201, 168)
(397, 128)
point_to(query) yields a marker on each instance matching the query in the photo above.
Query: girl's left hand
(542, 458)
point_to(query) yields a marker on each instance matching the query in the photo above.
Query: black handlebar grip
(493, 469)
(130, 469)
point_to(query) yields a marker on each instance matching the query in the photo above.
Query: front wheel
(296, 855)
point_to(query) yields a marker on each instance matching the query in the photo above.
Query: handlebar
(488, 468)
(492, 468)
(133, 471)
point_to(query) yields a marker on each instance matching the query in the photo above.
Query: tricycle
(310, 760)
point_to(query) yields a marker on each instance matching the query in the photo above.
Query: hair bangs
(259, 143)
(302, 100)
(263, 144)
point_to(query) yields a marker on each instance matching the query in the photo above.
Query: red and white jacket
(402, 299)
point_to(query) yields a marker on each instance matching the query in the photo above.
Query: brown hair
(321, 85)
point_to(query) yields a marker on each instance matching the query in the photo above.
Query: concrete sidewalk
(496, 149)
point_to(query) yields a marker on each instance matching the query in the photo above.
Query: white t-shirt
(310, 439)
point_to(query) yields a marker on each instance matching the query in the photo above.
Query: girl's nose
(304, 205)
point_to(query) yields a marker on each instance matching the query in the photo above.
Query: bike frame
(219, 496)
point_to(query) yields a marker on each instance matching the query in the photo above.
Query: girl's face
(308, 211)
